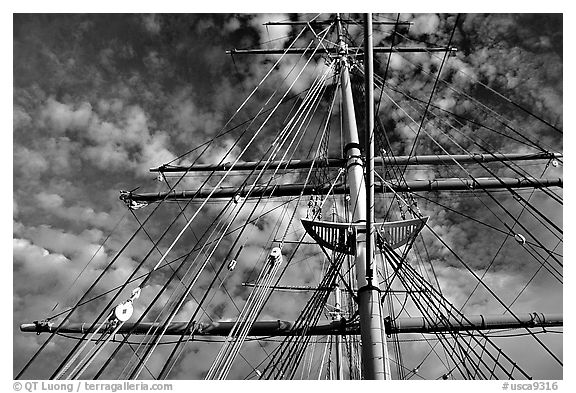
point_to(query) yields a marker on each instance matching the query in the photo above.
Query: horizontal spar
(340, 162)
(320, 51)
(331, 21)
(473, 322)
(296, 189)
(285, 328)
(296, 288)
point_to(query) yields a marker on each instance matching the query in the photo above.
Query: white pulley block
(520, 238)
(135, 293)
(124, 311)
(232, 265)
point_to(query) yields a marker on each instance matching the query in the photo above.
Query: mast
(371, 324)
(369, 141)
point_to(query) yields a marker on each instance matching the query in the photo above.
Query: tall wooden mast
(371, 323)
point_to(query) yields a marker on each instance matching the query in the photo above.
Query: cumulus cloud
(60, 117)
(20, 118)
(125, 141)
(425, 24)
(151, 23)
(31, 163)
(191, 120)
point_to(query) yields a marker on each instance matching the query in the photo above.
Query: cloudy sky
(99, 99)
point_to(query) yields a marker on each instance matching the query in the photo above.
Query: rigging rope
(277, 168)
(70, 354)
(487, 193)
(476, 80)
(219, 182)
(168, 264)
(89, 261)
(287, 356)
(411, 277)
(492, 153)
(219, 231)
(433, 90)
(223, 362)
